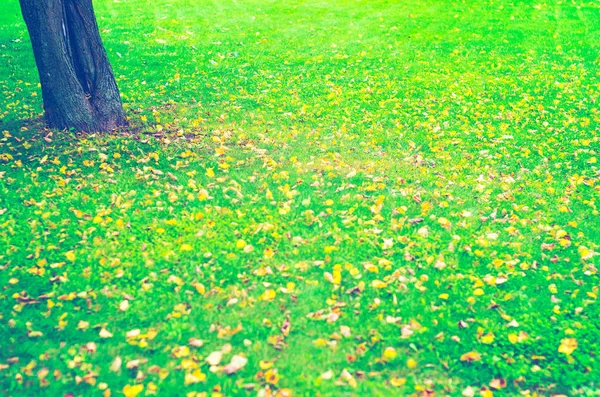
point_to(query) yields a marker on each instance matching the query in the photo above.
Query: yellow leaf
(200, 288)
(151, 334)
(487, 393)
(132, 391)
(335, 278)
(268, 253)
(487, 339)
(445, 223)
(371, 267)
(470, 356)
(330, 248)
(390, 353)
(163, 373)
(378, 284)
(398, 382)
(152, 388)
(195, 377)
(186, 247)
(567, 346)
(271, 376)
(268, 295)
(425, 207)
(180, 351)
(70, 255)
(263, 364)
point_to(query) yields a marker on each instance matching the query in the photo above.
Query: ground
(313, 198)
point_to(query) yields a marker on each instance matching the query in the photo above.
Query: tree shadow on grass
(37, 133)
(36, 128)
(14, 126)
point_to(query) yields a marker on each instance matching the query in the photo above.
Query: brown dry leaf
(498, 383)
(195, 342)
(286, 326)
(470, 356)
(236, 363)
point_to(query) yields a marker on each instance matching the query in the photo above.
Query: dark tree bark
(78, 85)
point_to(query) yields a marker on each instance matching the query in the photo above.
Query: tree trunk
(78, 85)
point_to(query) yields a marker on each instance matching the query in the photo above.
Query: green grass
(414, 175)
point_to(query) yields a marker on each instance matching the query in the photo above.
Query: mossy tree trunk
(78, 86)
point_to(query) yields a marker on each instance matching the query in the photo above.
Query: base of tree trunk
(78, 86)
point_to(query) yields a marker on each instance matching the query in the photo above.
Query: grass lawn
(383, 197)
